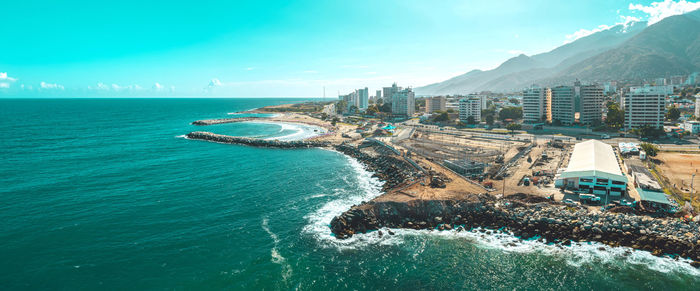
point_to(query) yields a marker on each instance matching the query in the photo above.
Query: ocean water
(107, 194)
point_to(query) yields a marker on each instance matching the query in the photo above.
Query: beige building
(537, 104)
(438, 103)
(592, 99)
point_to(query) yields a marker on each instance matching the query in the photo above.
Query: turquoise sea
(106, 194)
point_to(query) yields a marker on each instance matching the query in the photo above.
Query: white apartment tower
(362, 99)
(563, 105)
(470, 107)
(537, 104)
(403, 103)
(697, 106)
(592, 98)
(644, 106)
(438, 103)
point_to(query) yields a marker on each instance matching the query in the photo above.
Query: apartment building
(537, 104)
(644, 106)
(403, 103)
(591, 98)
(563, 105)
(438, 103)
(470, 107)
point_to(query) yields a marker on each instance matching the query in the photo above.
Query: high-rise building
(378, 95)
(438, 103)
(388, 92)
(697, 106)
(644, 106)
(403, 103)
(537, 104)
(362, 99)
(563, 105)
(470, 106)
(591, 98)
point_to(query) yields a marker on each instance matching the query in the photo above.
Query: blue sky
(279, 48)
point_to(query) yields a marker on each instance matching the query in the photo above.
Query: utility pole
(692, 179)
(504, 185)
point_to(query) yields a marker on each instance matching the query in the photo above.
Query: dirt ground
(456, 189)
(679, 168)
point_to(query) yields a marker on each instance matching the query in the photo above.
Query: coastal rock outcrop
(522, 216)
(208, 136)
(224, 120)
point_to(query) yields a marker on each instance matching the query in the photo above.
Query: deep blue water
(106, 194)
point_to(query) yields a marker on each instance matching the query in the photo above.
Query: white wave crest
(319, 221)
(276, 257)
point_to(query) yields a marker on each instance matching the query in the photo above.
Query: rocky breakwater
(390, 168)
(225, 120)
(208, 136)
(527, 217)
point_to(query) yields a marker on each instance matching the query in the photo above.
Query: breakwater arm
(224, 120)
(220, 138)
(526, 216)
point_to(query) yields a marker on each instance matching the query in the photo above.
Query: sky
(281, 48)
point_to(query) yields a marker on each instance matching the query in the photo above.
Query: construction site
(497, 162)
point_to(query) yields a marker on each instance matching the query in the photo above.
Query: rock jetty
(225, 120)
(387, 166)
(527, 217)
(208, 136)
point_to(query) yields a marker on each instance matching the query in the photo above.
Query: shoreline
(411, 200)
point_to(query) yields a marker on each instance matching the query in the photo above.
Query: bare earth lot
(679, 167)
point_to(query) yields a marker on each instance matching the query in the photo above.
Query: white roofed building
(594, 169)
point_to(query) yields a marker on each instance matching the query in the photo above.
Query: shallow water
(102, 194)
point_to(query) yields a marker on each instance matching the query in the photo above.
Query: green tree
(673, 113)
(514, 101)
(616, 117)
(471, 120)
(340, 106)
(510, 113)
(372, 109)
(650, 149)
(386, 107)
(489, 119)
(647, 131)
(442, 117)
(513, 126)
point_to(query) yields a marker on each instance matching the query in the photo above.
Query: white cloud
(660, 10)
(5, 77)
(157, 86)
(51, 86)
(100, 86)
(215, 83)
(310, 71)
(516, 52)
(625, 21)
(250, 68)
(4, 85)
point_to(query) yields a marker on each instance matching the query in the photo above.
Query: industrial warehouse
(593, 169)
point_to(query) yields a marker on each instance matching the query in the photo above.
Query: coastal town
(581, 162)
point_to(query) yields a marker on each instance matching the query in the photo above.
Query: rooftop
(593, 158)
(653, 196)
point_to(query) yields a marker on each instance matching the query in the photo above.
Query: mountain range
(632, 51)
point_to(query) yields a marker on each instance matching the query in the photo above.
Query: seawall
(225, 120)
(526, 216)
(220, 138)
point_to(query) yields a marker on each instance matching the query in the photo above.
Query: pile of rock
(390, 168)
(208, 136)
(224, 120)
(550, 221)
